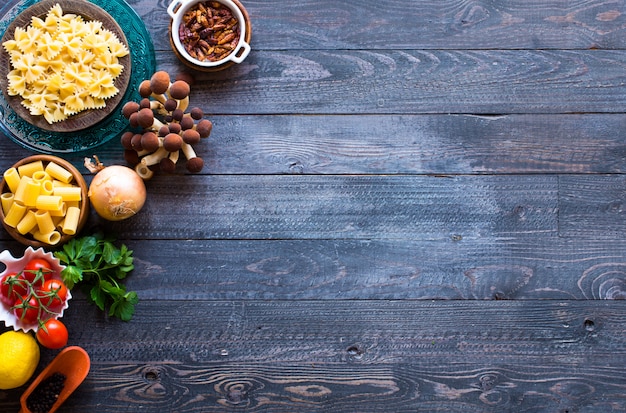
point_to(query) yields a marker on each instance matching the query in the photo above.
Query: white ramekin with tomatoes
(32, 293)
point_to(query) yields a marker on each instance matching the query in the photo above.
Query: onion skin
(117, 193)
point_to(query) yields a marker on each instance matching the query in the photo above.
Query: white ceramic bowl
(177, 10)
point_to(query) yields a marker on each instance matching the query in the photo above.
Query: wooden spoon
(74, 363)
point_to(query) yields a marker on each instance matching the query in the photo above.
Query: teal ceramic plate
(143, 65)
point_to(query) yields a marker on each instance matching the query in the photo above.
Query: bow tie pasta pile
(62, 65)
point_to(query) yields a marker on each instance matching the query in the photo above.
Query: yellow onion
(117, 193)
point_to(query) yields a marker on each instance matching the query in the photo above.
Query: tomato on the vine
(37, 271)
(26, 309)
(12, 287)
(53, 295)
(52, 334)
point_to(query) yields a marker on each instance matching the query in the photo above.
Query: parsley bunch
(98, 266)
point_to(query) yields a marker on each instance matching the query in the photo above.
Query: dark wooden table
(406, 206)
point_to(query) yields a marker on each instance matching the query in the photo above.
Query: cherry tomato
(52, 294)
(52, 334)
(37, 271)
(12, 287)
(26, 309)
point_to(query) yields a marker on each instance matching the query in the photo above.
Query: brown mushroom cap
(178, 114)
(186, 122)
(174, 127)
(145, 117)
(125, 140)
(132, 119)
(160, 82)
(170, 105)
(144, 89)
(131, 156)
(179, 90)
(135, 142)
(129, 108)
(167, 165)
(195, 165)
(144, 103)
(150, 141)
(204, 128)
(164, 130)
(196, 113)
(191, 136)
(172, 142)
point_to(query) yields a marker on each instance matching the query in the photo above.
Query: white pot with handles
(239, 52)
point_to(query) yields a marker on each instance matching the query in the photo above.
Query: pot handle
(172, 6)
(246, 49)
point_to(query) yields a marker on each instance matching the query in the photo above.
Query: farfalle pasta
(62, 65)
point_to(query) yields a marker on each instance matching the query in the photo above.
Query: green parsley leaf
(97, 265)
(124, 306)
(98, 296)
(72, 275)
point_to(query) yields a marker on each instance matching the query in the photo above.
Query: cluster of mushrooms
(165, 127)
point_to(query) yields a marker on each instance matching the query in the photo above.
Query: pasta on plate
(62, 65)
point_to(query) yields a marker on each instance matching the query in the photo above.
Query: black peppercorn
(46, 393)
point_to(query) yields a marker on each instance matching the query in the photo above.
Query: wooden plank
(514, 268)
(412, 387)
(353, 355)
(416, 81)
(395, 144)
(353, 207)
(415, 144)
(592, 206)
(517, 268)
(396, 24)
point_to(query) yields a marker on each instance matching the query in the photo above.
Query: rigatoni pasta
(31, 196)
(27, 223)
(58, 172)
(41, 201)
(7, 200)
(30, 168)
(70, 222)
(67, 193)
(47, 187)
(41, 176)
(49, 202)
(15, 214)
(12, 178)
(44, 221)
(50, 238)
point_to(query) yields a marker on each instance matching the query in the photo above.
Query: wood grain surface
(351, 356)
(491, 82)
(405, 207)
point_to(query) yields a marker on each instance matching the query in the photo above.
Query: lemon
(19, 356)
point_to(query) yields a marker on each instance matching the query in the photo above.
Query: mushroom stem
(156, 125)
(174, 156)
(188, 151)
(159, 97)
(159, 107)
(183, 104)
(143, 171)
(154, 157)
